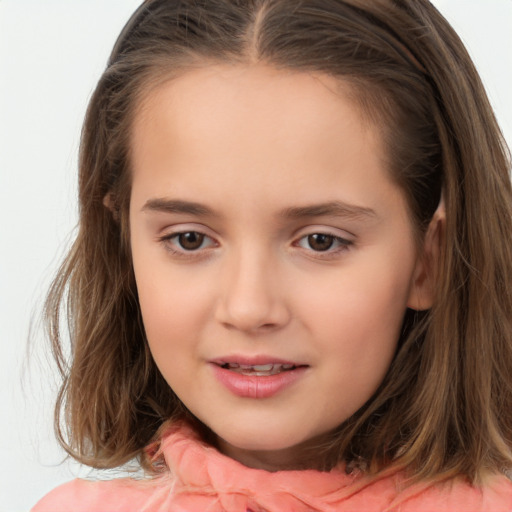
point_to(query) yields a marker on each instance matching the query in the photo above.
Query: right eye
(187, 241)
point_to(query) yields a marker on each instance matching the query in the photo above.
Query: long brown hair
(445, 406)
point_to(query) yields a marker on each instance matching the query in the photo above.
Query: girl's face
(273, 254)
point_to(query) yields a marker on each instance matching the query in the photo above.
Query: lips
(259, 377)
(259, 369)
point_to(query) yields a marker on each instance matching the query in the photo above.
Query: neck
(295, 458)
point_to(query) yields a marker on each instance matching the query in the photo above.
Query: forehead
(290, 105)
(248, 95)
(239, 130)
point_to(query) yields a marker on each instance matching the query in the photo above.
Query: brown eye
(320, 242)
(191, 241)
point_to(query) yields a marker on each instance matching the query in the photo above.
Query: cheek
(169, 321)
(359, 310)
(174, 305)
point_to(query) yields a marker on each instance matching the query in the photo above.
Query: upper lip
(254, 360)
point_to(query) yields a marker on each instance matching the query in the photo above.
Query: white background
(51, 54)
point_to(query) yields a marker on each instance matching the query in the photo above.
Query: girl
(289, 290)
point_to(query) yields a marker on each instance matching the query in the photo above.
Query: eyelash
(168, 242)
(341, 244)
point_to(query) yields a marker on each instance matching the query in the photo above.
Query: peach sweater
(202, 479)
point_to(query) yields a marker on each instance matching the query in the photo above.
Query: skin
(251, 146)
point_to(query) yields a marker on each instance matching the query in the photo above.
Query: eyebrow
(329, 209)
(177, 206)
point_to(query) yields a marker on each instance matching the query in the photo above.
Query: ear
(426, 271)
(110, 202)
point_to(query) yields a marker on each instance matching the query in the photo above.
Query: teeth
(263, 367)
(259, 369)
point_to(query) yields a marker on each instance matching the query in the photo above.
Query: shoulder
(118, 495)
(495, 495)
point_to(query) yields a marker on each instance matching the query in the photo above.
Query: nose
(252, 298)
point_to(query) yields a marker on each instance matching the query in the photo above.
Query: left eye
(190, 240)
(322, 242)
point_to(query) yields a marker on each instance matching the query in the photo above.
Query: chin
(262, 437)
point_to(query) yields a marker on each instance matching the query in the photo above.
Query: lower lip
(251, 386)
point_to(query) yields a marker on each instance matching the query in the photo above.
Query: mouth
(257, 377)
(260, 370)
